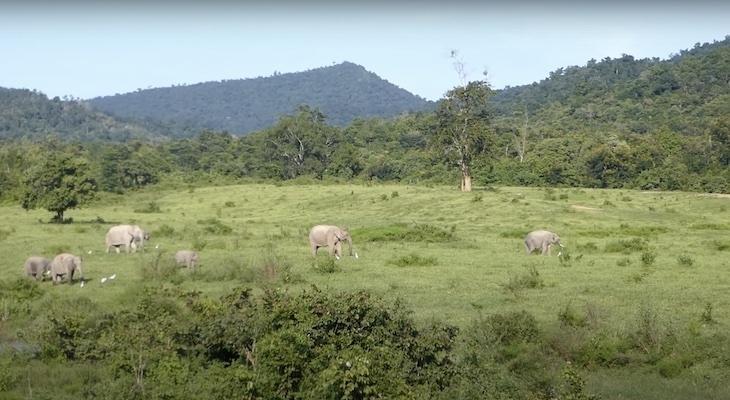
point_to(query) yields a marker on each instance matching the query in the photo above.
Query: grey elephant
(188, 258)
(329, 236)
(118, 236)
(65, 265)
(131, 237)
(139, 236)
(37, 267)
(542, 240)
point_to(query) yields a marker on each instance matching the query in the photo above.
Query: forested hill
(342, 92)
(684, 93)
(31, 115)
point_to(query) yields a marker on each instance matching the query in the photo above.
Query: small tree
(463, 126)
(63, 182)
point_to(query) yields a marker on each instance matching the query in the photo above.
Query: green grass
(473, 249)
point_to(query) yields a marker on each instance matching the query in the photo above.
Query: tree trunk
(59, 217)
(465, 180)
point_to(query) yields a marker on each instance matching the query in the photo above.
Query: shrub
(685, 260)
(413, 259)
(648, 258)
(164, 231)
(587, 247)
(623, 262)
(215, 226)
(627, 246)
(4, 233)
(531, 279)
(326, 265)
(394, 194)
(411, 233)
(477, 198)
(229, 204)
(569, 317)
(150, 207)
(706, 316)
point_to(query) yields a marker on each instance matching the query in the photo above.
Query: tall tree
(463, 127)
(63, 182)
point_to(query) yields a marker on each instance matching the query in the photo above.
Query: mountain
(684, 93)
(342, 92)
(32, 115)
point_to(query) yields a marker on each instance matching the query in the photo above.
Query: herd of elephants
(132, 237)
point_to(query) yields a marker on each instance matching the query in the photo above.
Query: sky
(86, 49)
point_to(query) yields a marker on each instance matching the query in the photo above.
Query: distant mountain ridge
(683, 93)
(342, 92)
(29, 114)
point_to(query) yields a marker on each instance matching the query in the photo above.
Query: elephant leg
(314, 248)
(544, 249)
(527, 249)
(338, 249)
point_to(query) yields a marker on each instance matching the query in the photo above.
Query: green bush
(627, 246)
(531, 279)
(215, 226)
(326, 265)
(648, 258)
(164, 231)
(685, 260)
(413, 259)
(410, 233)
(150, 207)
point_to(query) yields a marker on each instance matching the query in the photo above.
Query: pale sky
(86, 50)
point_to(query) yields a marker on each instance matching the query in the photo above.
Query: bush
(648, 258)
(215, 226)
(150, 207)
(529, 280)
(410, 233)
(685, 260)
(627, 246)
(164, 231)
(326, 265)
(413, 260)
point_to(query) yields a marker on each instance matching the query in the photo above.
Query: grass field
(462, 256)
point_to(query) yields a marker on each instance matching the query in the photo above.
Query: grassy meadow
(449, 256)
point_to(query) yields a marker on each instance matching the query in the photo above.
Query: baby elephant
(187, 258)
(65, 265)
(542, 240)
(37, 267)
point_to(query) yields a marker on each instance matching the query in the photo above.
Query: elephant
(187, 257)
(542, 240)
(37, 267)
(329, 236)
(139, 237)
(119, 235)
(65, 265)
(130, 236)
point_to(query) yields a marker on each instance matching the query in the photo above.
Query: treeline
(618, 123)
(304, 146)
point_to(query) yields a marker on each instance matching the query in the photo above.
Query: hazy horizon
(87, 50)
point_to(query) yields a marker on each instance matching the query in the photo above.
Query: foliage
(463, 127)
(413, 259)
(63, 182)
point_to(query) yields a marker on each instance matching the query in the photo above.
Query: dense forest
(344, 92)
(617, 123)
(28, 114)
